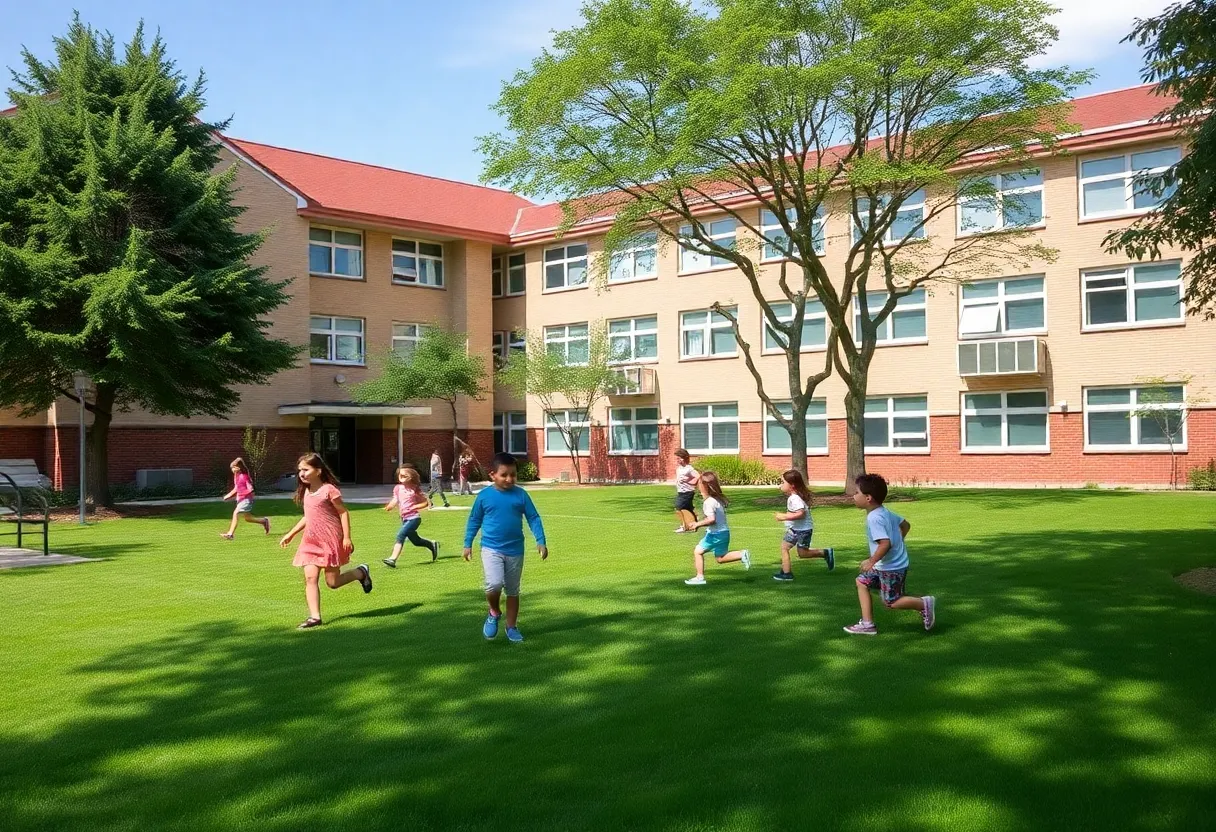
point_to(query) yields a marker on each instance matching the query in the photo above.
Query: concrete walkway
(11, 558)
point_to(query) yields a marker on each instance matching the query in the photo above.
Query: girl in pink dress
(242, 490)
(326, 545)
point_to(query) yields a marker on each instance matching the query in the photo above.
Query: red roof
(342, 189)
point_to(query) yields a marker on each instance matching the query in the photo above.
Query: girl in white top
(798, 525)
(717, 533)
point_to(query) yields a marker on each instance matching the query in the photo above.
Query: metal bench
(24, 500)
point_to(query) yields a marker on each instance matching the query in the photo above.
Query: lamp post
(81, 381)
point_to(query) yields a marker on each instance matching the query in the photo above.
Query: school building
(1027, 378)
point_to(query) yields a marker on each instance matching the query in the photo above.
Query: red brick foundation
(24, 443)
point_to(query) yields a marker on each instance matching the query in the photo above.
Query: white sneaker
(699, 580)
(747, 559)
(681, 530)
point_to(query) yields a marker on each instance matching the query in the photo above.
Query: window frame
(567, 340)
(505, 426)
(419, 257)
(707, 334)
(548, 415)
(633, 334)
(332, 245)
(921, 305)
(710, 420)
(887, 238)
(1128, 175)
(819, 238)
(419, 332)
(633, 422)
(498, 348)
(1000, 301)
(891, 414)
(1133, 418)
(1005, 412)
(333, 332)
(632, 251)
(1129, 273)
(565, 262)
(766, 450)
(685, 232)
(501, 270)
(1000, 204)
(765, 329)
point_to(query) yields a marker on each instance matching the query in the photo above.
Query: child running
(887, 566)
(242, 490)
(463, 466)
(686, 487)
(717, 534)
(409, 500)
(326, 545)
(436, 486)
(499, 512)
(798, 525)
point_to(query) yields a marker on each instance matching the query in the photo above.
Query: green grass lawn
(1069, 683)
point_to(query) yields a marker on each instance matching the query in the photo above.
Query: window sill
(565, 454)
(1031, 450)
(1122, 215)
(803, 350)
(908, 342)
(897, 451)
(414, 284)
(326, 362)
(964, 338)
(765, 261)
(711, 451)
(786, 452)
(1163, 324)
(634, 362)
(1121, 449)
(695, 358)
(329, 276)
(644, 279)
(965, 235)
(710, 270)
(505, 297)
(559, 289)
(633, 453)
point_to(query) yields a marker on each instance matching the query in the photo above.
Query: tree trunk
(572, 444)
(797, 433)
(854, 410)
(97, 447)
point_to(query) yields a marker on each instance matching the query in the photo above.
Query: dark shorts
(890, 584)
(801, 539)
(684, 502)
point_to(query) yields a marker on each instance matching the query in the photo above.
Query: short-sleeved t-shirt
(882, 524)
(244, 486)
(713, 508)
(802, 524)
(407, 498)
(686, 478)
(436, 467)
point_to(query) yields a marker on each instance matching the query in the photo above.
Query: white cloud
(512, 32)
(1090, 30)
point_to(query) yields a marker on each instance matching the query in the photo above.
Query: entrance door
(333, 437)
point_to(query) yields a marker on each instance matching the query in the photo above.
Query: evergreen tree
(119, 252)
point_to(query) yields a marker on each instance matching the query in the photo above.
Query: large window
(905, 324)
(1135, 418)
(721, 232)
(632, 340)
(637, 262)
(1016, 201)
(335, 340)
(908, 222)
(1000, 307)
(1005, 421)
(416, 263)
(508, 275)
(814, 327)
(777, 243)
(705, 333)
(571, 342)
(1122, 184)
(633, 430)
(555, 439)
(406, 338)
(511, 433)
(1147, 293)
(895, 424)
(711, 428)
(566, 266)
(777, 438)
(335, 253)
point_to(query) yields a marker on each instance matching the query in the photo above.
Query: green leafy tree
(119, 252)
(1180, 57)
(439, 366)
(1163, 413)
(564, 379)
(666, 114)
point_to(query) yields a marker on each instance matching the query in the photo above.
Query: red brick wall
(420, 443)
(24, 443)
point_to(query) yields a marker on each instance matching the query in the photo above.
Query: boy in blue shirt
(498, 513)
(887, 566)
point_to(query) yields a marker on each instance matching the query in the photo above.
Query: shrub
(1203, 479)
(526, 471)
(732, 470)
(127, 492)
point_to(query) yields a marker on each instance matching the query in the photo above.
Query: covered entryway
(356, 440)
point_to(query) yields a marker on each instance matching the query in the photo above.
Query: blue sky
(408, 84)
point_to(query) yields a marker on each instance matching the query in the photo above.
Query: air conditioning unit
(156, 477)
(1000, 357)
(634, 381)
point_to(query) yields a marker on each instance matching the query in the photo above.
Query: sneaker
(929, 613)
(366, 580)
(698, 580)
(226, 536)
(266, 524)
(490, 628)
(390, 563)
(434, 551)
(829, 558)
(783, 576)
(309, 623)
(681, 530)
(747, 559)
(862, 628)
(514, 635)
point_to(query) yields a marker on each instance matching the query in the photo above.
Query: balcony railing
(634, 381)
(1000, 357)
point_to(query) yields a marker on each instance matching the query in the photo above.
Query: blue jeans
(409, 531)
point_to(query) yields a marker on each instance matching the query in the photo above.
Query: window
(633, 430)
(1135, 418)
(721, 232)
(1016, 202)
(511, 433)
(711, 428)
(814, 327)
(777, 438)
(555, 440)
(999, 307)
(499, 349)
(705, 334)
(1005, 421)
(905, 324)
(335, 253)
(1121, 184)
(634, 339)
(406, 338)
(897, 424)
(1148, 293)
(513, 266)
(335, 340)
(637, 262)
(417, 264)
(776, 243)
(571, 342)
(516, 342)
(908, 222)
(566, 266)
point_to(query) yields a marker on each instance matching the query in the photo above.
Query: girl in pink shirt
(326, 546)
(409, 500)
(242, 490)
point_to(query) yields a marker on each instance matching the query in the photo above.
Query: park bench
(24, 499)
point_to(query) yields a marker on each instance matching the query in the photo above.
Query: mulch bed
(64, 514)
(1201, 580)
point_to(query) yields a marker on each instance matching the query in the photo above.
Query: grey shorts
(798, 537)
(244, 506)
(502, 571)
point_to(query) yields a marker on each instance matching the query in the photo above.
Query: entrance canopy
(352, 409)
